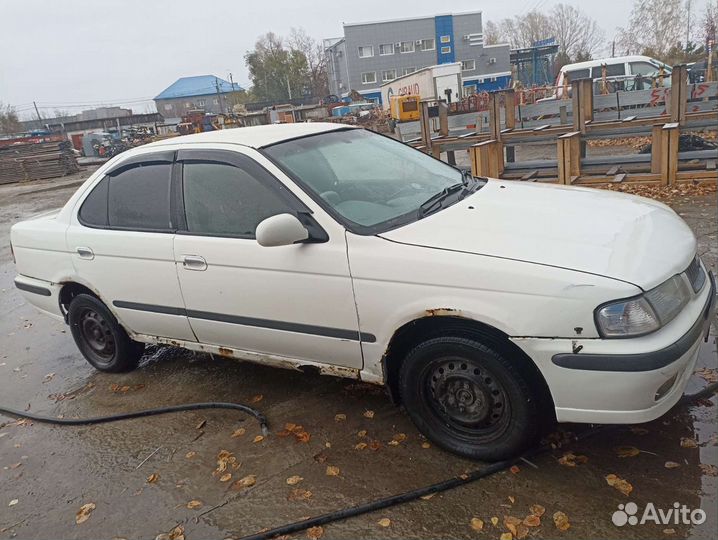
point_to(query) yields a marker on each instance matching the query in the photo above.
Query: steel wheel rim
(97, 335)
(467, 397)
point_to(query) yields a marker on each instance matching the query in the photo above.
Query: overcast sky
(74, 54)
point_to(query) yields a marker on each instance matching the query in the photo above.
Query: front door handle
(85, 253)
(194, 262)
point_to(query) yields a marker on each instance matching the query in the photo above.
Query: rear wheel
(469, 399)
(100, 338)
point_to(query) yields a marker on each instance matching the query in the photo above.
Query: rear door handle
(85, 253)
(194, 262)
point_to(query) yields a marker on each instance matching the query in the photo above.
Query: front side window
(612, 70)
(406, 47)
(388, 75)
(368, 77)
(428, 44)
(366, 52)
(224, 200)
(643, 68)
(577, 74)
(139, 198)
(386, 49)
(369, 180)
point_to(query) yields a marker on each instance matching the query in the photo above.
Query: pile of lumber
(36, 161)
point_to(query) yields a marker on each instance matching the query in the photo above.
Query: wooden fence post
(485, 157)
(443, 119)
(568, 153)
(656, 138)
(679, 93)
(669, 153)
(509, 108)
(425, 125)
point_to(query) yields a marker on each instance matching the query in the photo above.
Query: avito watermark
(678, 514)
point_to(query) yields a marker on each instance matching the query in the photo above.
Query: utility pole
(36, 111)
(613, 49)
(231, 82)
(688, 24)
(219, 96)
(289, 88)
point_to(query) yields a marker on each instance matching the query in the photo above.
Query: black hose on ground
(140, 414)
(445, 485)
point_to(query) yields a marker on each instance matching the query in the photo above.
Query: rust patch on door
(442, 312)
(223, 351)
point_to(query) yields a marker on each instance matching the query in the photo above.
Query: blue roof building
(205, 92)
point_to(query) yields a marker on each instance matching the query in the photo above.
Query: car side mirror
(281, 230)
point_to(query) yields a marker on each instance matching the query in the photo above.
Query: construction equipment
(404, 108)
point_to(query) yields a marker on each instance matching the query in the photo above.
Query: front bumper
(623, 381)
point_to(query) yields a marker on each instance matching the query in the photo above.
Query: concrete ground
(145, 477)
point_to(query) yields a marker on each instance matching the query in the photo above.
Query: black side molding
(649, 361)
(42, 291)
(299, 328)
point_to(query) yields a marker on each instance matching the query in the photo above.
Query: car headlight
(643, 314)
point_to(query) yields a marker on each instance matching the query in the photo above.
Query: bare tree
(9, 122)
(576, 33)
(492, 35)
(709, 23)
(523, 30)
(654, 28)
(316, 58)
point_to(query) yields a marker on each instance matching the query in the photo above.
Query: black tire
(100, 338)
(469, 399)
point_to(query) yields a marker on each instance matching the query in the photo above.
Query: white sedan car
(486, 307)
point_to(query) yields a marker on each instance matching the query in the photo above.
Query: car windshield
(369, 180)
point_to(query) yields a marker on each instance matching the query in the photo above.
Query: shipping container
(442, 81)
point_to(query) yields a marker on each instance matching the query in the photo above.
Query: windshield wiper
(434, 202)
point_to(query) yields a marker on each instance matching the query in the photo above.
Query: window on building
(468, 65)
(388, 75)
(200, 103)
(225, 200)
(445, 39)
(366, 51)
(188, 105)
(168, 107)
(139, 198)
(386, 49)
(368, 78)
(215, 101)
(406, 47)
(407, 70)
(427, 44)
(445, 50)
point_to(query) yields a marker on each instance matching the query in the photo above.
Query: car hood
(620, 236)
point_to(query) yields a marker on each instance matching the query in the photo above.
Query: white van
(621, 73)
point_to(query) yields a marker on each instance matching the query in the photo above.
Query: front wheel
(469, 399)
(100, 338)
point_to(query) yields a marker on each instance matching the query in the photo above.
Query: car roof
(254, 136)
(614, 60)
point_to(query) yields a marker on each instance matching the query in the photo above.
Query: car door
(121, 244)
(294, 301)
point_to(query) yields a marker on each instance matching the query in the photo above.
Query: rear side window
(578, 74)
(93, 211)
(139, 198)
(612, 70)
(224, 200)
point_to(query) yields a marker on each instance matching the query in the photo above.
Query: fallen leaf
(368, 414)
(225, 477)
(709, 374)
(669, 531)
(399, 437)
(532, 520)
(13, 502)
(512, 499)
(569, 459)
(258, 438)
(194, 504)
(247, 481)
(360, 446)
(494, 521)
(83, 514)
(506, 536)
(294, 480)
(619, 483)
(16, 465)
(537, 510)
(425, 445)
(321, 457)
(299, 494)
(709, 470)
(361, 433)
(190, 454)
(511, 522)
(177, 533)
(374, 445)
(327, 444)
(315, 533)
(522, 531)
(561, 521)
(48, 377)
(224, 458)
(671, 465)
(384, 522)
(332, 470)
(257, 398)
(427, 497)
(302, 437)
(340, 417)
(151, 479)
(393, 443)
(688, 442)
(476, 524)
(201, 424)
(239, 432)
(627, 451)
(515, 469)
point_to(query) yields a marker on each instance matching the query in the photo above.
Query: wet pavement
(52, 471)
